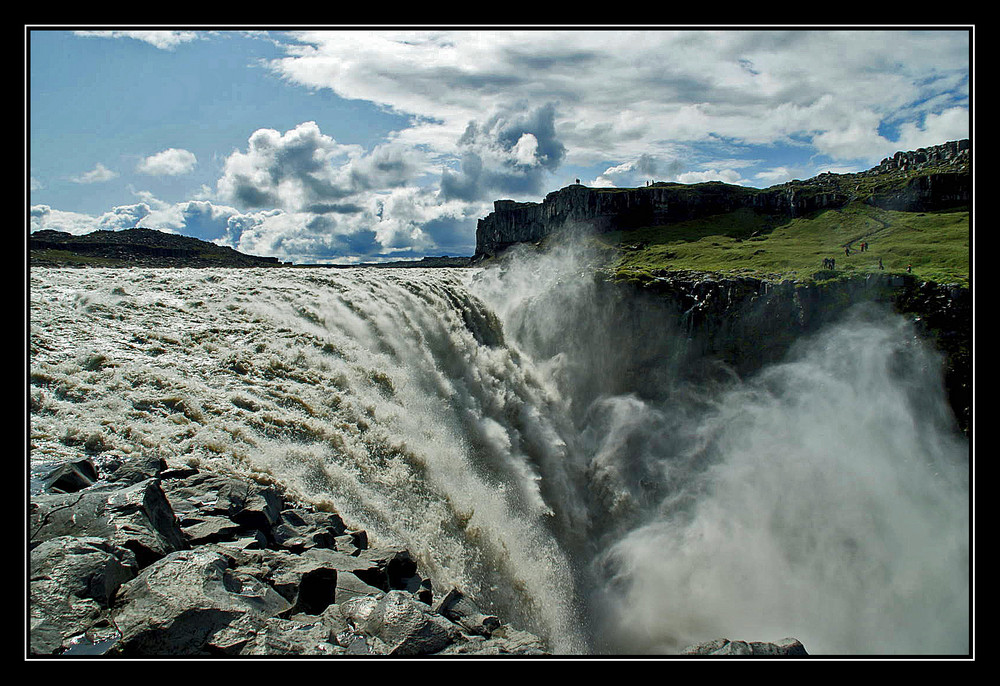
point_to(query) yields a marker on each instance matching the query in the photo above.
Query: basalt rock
(189, 562)
(723, 646)
(921, 180)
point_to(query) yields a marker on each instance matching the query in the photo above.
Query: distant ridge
(136, 247)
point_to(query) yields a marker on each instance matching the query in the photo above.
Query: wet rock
(299, 529)
(137, 517)
(176, 605)
(198, 563)
(208, 528)
(72, 583)
(504, 641)
(723, 646)
(71, 477)
(308, 583)
(400, 624)
(460, 609)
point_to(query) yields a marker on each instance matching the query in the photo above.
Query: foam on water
(480, 418)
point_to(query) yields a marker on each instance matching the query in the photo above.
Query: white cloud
(525, 149)
(618, 94)
(507, 153)
(44, 217)
(304, 169)
(164, 40)
(170, 162)
(951, 124)
(98, 174)
(724, 175)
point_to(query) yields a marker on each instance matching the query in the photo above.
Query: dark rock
(249, 504)
(352, 542)
(395, 565)
(365, 570)
(349, 586)
(504, 641)
(176, 605)
(299, 529)
(137, 469)
(308, 583)
(72, 583)
(400, 624)
(136, 517)
(71, 477)
(209, 528)
(723, 646)
(460, 609)
(115, 571)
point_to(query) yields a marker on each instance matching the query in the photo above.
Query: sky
(382, 143)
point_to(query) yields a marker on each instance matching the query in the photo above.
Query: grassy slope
(936, 244)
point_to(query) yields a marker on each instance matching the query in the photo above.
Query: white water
(491, 422)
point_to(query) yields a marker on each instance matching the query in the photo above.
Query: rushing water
(526, 448)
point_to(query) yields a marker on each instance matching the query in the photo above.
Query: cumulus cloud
(507, 153)
(305, 169)
(631, 173)
(98, 174)
(44, 217)
(170, 162)
(951, 124)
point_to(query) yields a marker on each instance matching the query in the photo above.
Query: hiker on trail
(847, 250)
(880, 263)
(909, 268)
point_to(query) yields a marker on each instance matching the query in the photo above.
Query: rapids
(502, 425)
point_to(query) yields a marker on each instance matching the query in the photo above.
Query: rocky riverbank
(152, 559)
(156, 559)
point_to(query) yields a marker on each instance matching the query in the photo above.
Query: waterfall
(534, 446)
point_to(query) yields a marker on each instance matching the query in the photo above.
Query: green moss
(934, 245)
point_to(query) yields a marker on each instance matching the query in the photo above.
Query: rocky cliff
(920, 180)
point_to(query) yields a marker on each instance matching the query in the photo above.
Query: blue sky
(365, 145)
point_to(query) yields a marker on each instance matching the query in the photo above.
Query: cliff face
(747, 323)
(920, 180)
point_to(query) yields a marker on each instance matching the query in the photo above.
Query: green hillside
(936, 245)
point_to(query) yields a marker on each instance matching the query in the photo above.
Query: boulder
(461, 610)
(178, 604)
(723, 646)
(73, 581)
(299, 529)
(71, 477)
(247, 503)
(137, 517)
(309, 584)
(504, 641)
(399, 624)
(209, 528)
